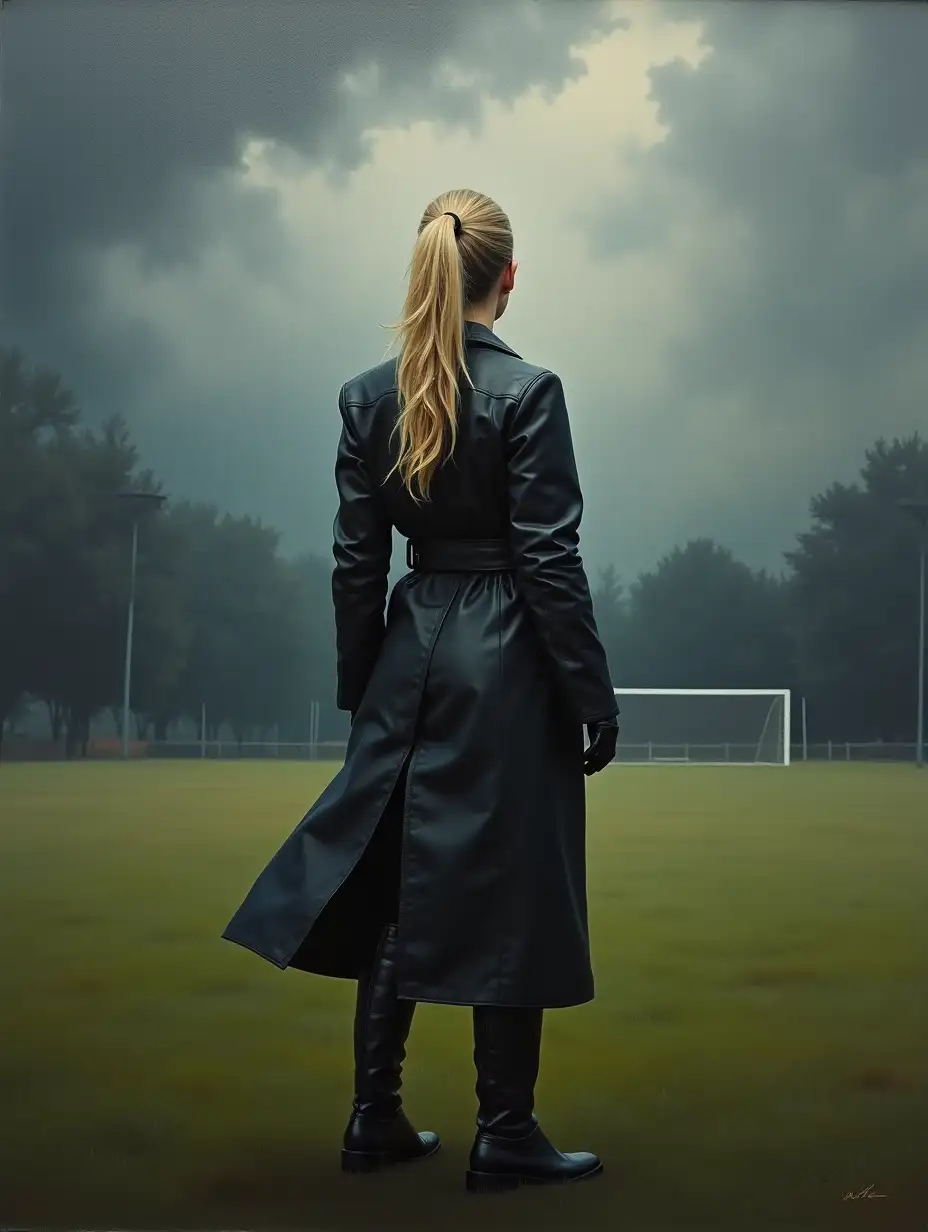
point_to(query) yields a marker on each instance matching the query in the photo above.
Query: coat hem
(422, 1000)
(511, 1005)
(281, 966)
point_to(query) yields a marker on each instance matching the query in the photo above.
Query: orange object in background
(111, 746)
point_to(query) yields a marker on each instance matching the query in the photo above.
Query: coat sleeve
(545, 508)
(363, 543)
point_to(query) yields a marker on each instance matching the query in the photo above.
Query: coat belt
(458, 555)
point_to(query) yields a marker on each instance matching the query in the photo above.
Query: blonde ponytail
(448, 273)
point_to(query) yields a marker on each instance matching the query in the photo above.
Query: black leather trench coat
(471, 693)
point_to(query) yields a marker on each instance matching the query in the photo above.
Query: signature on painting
(869, 1192)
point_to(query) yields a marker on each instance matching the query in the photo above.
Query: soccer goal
(714, 727)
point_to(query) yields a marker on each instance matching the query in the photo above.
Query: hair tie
(457, 223)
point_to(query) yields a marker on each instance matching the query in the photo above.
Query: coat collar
(478, 334)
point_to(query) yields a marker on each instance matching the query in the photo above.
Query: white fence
(876, 750)
(226, 750)
(712, 754)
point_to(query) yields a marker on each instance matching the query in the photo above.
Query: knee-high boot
(378, 1132)
(510, 1149)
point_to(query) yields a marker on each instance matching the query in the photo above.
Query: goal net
(705, 726)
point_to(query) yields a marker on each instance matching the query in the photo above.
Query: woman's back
(508, 477)
(469, 493)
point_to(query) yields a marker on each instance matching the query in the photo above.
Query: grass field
(758, 1048)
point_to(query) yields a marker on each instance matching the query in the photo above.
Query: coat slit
(351, 918)
(349, 921)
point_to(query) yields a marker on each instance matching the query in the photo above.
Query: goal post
(719, 727)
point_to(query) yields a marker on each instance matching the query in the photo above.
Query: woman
(446, 861)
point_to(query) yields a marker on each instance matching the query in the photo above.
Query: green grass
(757, 1048)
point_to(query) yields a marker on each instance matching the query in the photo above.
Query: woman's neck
(482, 314)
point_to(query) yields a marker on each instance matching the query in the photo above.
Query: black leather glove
(603, 735)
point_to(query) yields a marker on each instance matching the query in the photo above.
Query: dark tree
(37, 413)
(855, 599)
(704, 620)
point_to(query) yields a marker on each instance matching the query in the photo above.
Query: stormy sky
(720, 210)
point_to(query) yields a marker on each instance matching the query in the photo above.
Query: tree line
(222, 618)
(839, 625)
(225, 620)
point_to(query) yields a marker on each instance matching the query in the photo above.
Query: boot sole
(501, 1182)
(365, 1162)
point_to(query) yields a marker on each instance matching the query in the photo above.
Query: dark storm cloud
(115, 114)
(806, 123)
(796, 160)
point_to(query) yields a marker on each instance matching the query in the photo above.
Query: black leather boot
(510, 1149)
(378, 1132)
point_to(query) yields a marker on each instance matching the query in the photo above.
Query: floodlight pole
(918, 509)
(127, 670)
(920, 736)
(137, 501)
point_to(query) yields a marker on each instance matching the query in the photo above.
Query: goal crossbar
(705, 692)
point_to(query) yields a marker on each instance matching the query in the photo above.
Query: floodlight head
(138, 502)
(916, 507)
